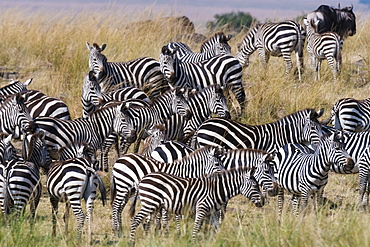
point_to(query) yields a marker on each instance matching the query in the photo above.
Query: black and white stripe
(200, 196)
(305, 173)
(202, 105)
(69, 181)
(21, 177)
(131, 168)
(92, 97)
(15, 87)
(92, 130)
(275, 39)
(298, 127)
(215, 45)
(223, 70)
(351, 115)
(323, 46)
(143, 73)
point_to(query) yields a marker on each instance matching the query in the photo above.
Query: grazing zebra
(223, 70)
(77, 150)
(298, 127)
(21, 177)
(215, 45)
(15, 87)
(92, 97)
(323, 46)
(143, 73)
(130, 169)
(69, 181)
(202, 105)
(201, 196)
(92, 130)
(276, 39)
(305, 173)
(351, 115)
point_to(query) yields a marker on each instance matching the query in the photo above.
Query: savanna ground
(51, 49)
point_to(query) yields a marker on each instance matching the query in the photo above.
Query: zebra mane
(218, 89)
(313, 116)
(228, 173)
(244, 150)
(219, 37)
(197, 152)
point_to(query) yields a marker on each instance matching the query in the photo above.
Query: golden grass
(51, 48)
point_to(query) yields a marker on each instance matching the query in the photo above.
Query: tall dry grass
(51, 48)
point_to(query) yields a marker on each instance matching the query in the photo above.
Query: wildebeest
(341, 21)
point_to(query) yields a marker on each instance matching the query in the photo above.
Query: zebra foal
(323, 46)
(305, 173)
(201, 196)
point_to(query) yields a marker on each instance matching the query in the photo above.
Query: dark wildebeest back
(341, 21)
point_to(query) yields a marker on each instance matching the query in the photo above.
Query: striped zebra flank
(92, 130)
(323, 46)
(275, 39)
(298, 127)
(201, 196)
(69, 181)
(305, 173)
(351, 115)
(131, 168)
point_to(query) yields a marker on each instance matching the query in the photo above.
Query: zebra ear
(306, 22)
(89, 47)
(229, 37)
(320, 113)
(8, 139)
(103, 47)
(28, 82)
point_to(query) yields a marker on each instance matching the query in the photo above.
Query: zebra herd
(190, 160)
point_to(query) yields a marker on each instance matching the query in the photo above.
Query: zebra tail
(102, 189)
(8, 199)
(133, 205)
(300, 43)
(339, 54)
(113, 191)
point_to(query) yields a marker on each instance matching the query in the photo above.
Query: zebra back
(15, 87)
(302, 126)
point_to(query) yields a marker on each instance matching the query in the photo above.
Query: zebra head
(312, 131)
(217, 102)
(335, 150)
(247, 47)
(156, 135)
(122, 124)
(34, 149)
(265, 176)
(77, 150)
(15, 115)
(250, 188)
(97, 60)
(91, 94)
(212, 162)
(177, 101)
(168, 63)
(218, 43)
(7, 150)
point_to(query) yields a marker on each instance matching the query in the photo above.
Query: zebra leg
(34, 202)
(318, 68)
(288, 62)
(333, 67)
(135, 222)
(362, 190)
(199, 217)
(117, 207)
(280, 203)
(89, 214)
(80, 216)
(146, 224)
(165, 222)
(295, 204)
(66, 217)
(54, 203)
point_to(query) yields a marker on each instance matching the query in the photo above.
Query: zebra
(305, 173)
(77, 150)
(21, 177)
(202, 105)
(276, 39)
(15, 87)
(223, 70)
(215, 45)
(143, 73)
(92, 97)
(130, 168)
(92, 130)
(14, 115)
(357, 145)
(299, 127)
(201, 196)
(323, 46)
(69, 181)
(351, 115)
